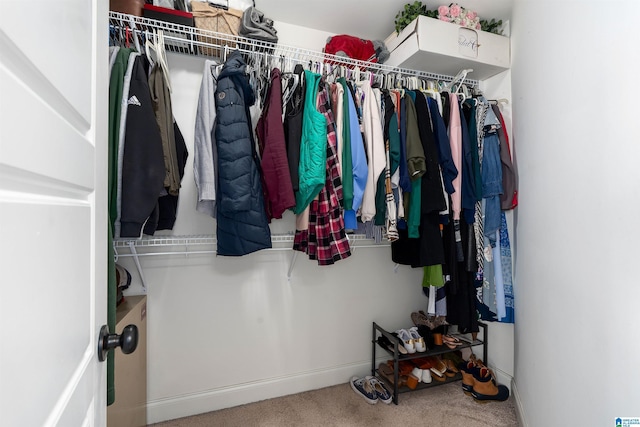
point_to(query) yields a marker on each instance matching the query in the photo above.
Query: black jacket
(242, 225)
(143, 162)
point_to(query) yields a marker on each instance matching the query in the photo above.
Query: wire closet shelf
(194, 41)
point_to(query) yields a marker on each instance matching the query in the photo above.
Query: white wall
(576, 125)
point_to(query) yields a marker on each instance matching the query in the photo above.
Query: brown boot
(468, 381)
(485, 389)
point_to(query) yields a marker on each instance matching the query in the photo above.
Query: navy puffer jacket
(242, 225)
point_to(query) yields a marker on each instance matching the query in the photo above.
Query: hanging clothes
(143, 167)
(344, 152)
(491, 182)
(168, 203)
(460, 287)
(455, 141)
(470, 114)
(293, 127)
(276, 180)
(325, 239)
(337, 105)
(161, 98)
(416, 166)
(374, 145)
(116, 86)
(507, 272)
(121, 139)
(358, 159)
(509, 197)
(386, 213)
(242, 225)
(313, 153)
(204, 144)
(432, 200)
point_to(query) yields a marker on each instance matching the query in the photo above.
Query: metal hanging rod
(202, 240)
(194, 41)
(187, 244)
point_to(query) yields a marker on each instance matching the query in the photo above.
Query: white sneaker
(426, 376)
(417, 339)
(407, 341)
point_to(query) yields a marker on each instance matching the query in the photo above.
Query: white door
(53, 155)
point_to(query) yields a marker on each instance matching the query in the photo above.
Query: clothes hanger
(388, 81)
(499, 101)
(162, 58)
(151, 46)
(430, 91)
(458, 79)
(290, 83)
(267, 66)
(355, 72)
(135, 34)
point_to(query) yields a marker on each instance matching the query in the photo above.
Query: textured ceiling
(373, 19)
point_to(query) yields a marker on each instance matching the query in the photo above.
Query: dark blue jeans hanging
(491, 184)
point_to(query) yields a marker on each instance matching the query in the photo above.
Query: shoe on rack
(421, 319)
(451, 341)
(386, 372)
(452, 369)
(386, 343)
(407, 341)
(440, 378)
(485, 389)
(404, 366)
(412, 381)
(381, 391)
(438, 367)
(417, 339)
(426, 376)
(417, 372)
(363, 387)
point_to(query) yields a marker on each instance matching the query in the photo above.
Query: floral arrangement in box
(453, 13)
(459, 15)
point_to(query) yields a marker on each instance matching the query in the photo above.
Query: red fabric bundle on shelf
(351, 47)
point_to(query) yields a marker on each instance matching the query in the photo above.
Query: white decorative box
(428, 44)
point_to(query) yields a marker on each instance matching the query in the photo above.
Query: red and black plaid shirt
(326, 240)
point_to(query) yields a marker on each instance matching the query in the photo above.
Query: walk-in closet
(536, 277)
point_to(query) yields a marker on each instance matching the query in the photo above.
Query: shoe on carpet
(382, 393)
(363, 387)
(485, 389)
(467, 370)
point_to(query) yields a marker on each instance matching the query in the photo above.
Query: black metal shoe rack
(434, 351)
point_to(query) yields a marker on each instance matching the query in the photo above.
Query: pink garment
(455, 140)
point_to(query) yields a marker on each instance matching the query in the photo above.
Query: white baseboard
(519, 409)
(240, 394)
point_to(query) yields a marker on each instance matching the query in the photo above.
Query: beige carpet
(339, 405)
